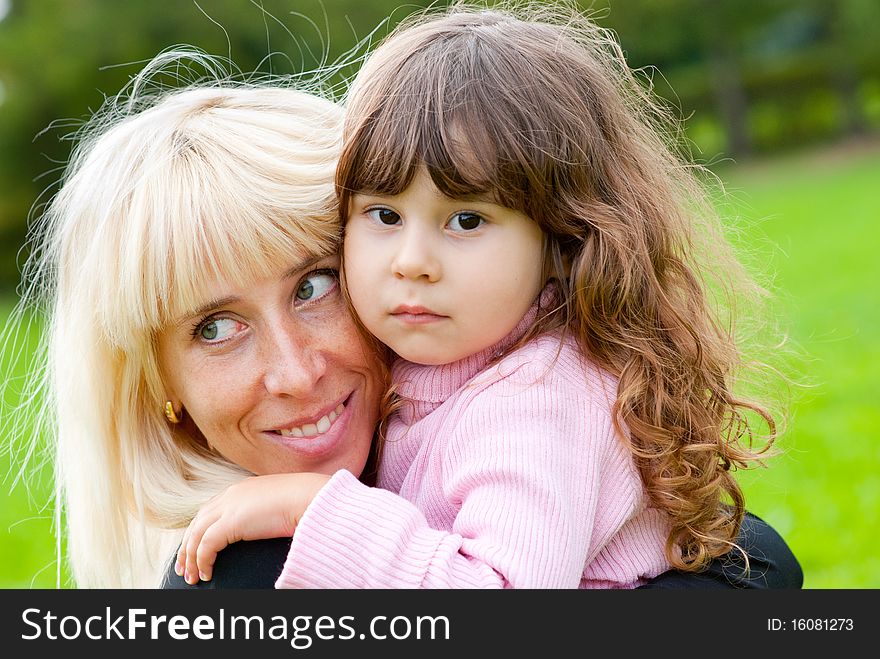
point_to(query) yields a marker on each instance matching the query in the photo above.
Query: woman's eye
(465, 222)
(316, 285)
(217, 330)
(385, 216)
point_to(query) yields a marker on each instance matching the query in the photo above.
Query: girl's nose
(416, 257)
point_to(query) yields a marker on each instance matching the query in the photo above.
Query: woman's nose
(416, 257)
(294, 363)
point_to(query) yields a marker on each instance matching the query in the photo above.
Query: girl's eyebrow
(374, 195)
(216, 303)
(478, 197)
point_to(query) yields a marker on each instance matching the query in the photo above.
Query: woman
(188, 265)
(196, 333)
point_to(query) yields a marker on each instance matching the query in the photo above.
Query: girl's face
(275, 375)
(439, 279)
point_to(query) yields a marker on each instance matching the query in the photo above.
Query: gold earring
(170, 414)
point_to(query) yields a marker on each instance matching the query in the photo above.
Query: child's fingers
(190, 545)
(214, 539)
(180, 560)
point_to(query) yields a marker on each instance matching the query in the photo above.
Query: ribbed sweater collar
(429, 386)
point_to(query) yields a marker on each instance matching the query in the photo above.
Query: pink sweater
(509, 476)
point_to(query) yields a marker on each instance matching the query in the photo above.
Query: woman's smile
(291, 386)
(320, 426)
(322, 438)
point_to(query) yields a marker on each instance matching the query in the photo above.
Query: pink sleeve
(354, 536)
(523, 465)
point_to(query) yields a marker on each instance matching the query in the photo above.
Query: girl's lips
(418, 319)
(408, 309)
(416, 315)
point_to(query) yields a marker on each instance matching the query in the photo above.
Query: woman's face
(275, 375)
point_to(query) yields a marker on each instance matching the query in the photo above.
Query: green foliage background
(781, 97)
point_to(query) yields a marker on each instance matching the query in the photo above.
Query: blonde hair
(538, 107)
(165, 191)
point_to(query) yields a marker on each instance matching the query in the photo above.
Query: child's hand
(256, 508)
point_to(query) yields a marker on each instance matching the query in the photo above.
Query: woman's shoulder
(247, 564)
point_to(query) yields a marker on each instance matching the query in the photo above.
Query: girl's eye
(384, 216)
(316, 285)
(465, 222)
(217, 330)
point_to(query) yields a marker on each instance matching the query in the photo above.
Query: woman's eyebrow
(216, 303)
(207, 307)
(305, 264)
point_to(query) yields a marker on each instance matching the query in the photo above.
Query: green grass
(813, 222)
(27, 545)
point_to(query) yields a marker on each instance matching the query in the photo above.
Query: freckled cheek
(352, 356)
(216, 393)
(218, 397)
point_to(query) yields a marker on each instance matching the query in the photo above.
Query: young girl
(520, 236)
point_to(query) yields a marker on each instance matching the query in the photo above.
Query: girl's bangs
(463, 116)
(425, 121)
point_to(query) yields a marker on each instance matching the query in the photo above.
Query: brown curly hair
(540, 109)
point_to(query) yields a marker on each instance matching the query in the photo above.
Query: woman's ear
(173, 412)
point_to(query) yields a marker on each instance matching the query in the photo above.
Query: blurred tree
(59, 58)
(852, 43)
(700, 48)
(774, 73)
(755, 75)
